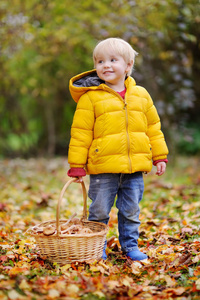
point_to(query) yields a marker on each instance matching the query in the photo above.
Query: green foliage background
(44, 43)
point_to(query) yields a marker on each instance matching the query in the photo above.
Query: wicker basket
(68, 248)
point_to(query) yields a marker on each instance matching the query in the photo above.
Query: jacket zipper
(128, 139)
(126, 113)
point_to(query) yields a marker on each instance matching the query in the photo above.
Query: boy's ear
(129, 66)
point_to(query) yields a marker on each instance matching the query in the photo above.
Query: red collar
(122, 93)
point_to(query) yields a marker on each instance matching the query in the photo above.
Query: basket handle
(60, 200)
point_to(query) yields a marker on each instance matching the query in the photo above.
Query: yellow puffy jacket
(110, 134)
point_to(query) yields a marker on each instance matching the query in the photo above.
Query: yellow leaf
(198, 284)
(196, 259)
(99, 294)
(24, 285)
(170, 281)
(3, 296)
(104, 265)
(125, 282)
(53, 294)
(135, 267)
(72, 288)
(102, 270)
(180, 290)
(14, 295)
(94, 269)
(112, 284)
(61, 285)
(65, 268)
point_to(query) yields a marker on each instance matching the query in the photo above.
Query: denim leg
(102, 191)
(129, 195)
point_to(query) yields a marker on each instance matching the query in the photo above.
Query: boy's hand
(161, 167)
(79, 179)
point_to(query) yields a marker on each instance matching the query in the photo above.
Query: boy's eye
(100, 61)
(113, 59)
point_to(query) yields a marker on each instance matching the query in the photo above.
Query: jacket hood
(83, 82)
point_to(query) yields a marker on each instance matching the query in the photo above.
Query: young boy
(115, 135)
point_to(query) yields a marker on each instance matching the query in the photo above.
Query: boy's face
(112, 68)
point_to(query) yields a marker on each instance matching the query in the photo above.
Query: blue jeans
(129, 189)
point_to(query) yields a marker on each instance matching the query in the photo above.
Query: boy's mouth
(108, 72)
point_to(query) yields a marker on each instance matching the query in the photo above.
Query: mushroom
(86, 230)
(39, 230)
(76, 221)
(49, 230)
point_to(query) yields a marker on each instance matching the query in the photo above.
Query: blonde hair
(120, 47)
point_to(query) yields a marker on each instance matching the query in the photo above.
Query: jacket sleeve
(156, 137)
(81, 133)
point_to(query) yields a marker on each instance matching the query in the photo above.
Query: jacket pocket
(93, 151)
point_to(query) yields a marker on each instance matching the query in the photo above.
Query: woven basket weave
(68, 248)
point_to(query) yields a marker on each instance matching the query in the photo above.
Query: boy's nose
(107, 64)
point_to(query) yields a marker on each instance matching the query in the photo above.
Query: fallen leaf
(53, 294)
(198, 284)
(13, 295)
(24, 285)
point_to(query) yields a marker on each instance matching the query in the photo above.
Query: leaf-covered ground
(169, 234)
